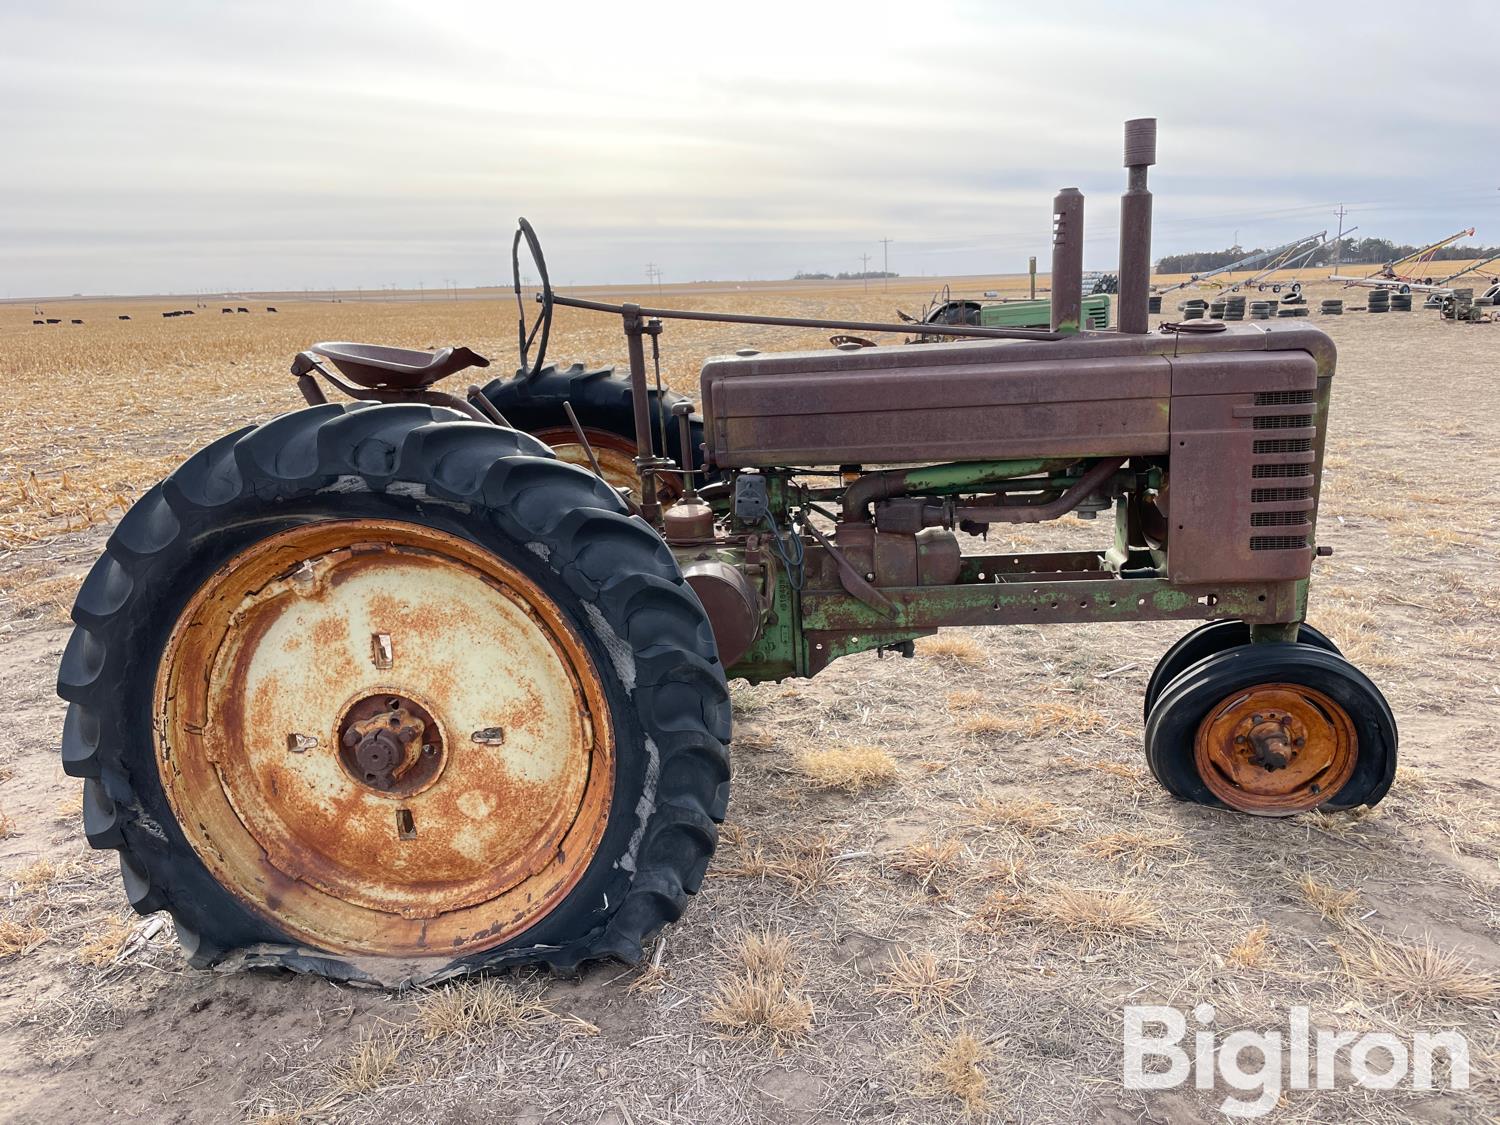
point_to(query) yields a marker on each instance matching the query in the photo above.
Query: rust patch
(1276, 749)
(474, 841)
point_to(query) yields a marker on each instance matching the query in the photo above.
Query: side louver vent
(1286, 508)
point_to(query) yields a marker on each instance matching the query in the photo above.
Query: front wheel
(1273, 729)
(1210, 640)
(386, 695)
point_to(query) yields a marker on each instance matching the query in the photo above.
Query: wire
(794, 559)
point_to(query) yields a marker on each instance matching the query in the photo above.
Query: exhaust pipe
(1067, 260)
(1135, 226)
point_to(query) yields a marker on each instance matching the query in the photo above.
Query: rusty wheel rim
(1276, 749)
(616, 456)
(384, 739)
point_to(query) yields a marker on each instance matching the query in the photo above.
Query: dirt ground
(955, 939)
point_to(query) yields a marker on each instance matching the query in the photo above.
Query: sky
(158, 146)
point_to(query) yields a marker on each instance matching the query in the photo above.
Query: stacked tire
(1380, 301)
(1332, 306)
(1400, 302)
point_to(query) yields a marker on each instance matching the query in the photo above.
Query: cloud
(160, 146)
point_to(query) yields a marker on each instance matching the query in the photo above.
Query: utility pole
(885, 245)
(864, 269)
(1338, 242)
(421, 290)
(653, 273)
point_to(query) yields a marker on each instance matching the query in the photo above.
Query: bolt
(300, 743)
(429, 749)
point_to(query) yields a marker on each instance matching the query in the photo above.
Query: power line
(864, 262)
(885, 244)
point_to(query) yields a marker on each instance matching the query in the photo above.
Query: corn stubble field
(941, 878)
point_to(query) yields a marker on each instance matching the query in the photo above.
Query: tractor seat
(376, 366)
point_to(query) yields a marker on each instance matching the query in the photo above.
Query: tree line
(1351, 251)
(873, 275)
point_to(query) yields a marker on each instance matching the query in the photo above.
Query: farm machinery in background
(1266, 263)
(427, 683)
(1406, 274)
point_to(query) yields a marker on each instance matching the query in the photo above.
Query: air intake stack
(1067, 260)
(1135, 226)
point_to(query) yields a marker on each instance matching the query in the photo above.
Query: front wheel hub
(1275, 749)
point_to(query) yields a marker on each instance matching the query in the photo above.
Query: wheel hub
(390, 743)
(1276, 749)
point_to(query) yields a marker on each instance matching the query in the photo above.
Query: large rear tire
(556, 768)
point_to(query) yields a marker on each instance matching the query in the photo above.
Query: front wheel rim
(384, 739)
(1275, 749)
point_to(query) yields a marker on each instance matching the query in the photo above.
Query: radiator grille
(1273, 495)
(1278, 542)
(1277, 519)
(1261, 472)
(1280, 529)
(1283, 445)
(1283, 398)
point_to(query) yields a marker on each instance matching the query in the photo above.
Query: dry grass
(8, 827)
(1091, 914)
(924, 981)
(38, 874)
(953, 1068)
(1048, 718)
(373, 1062)
(963, 699)
(100, 950)
(852, 769)
(1335, 905)
(19, 937)
(804, 863)
(1418, 975)
(1138, 849)
(70, 808)
(1252, 951)
(926, 859)
(463, 1009)
(952, 648)
(763, 1002)
(1026, 816)
(767, 952)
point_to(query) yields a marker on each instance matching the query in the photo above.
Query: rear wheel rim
(1275, 748)
(616, 457)
(393, 744)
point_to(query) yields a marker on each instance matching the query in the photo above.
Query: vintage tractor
(400, 688)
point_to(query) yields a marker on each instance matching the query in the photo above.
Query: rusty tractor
(426, 683)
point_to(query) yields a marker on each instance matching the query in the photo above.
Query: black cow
(270, 308)
(38, 322)
(188, 312)
(124, 318)
(50, 321)
(77, 322)
(226, 310)
(242, 310)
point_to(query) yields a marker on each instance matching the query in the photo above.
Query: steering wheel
(543, 326)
